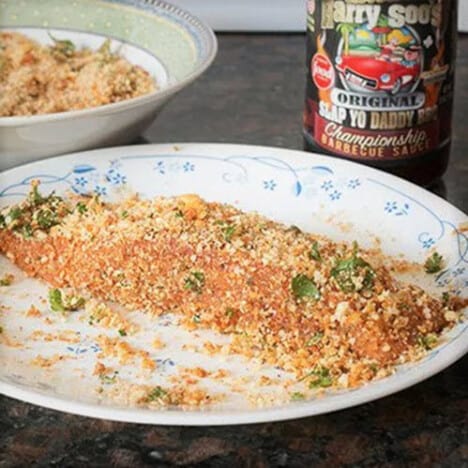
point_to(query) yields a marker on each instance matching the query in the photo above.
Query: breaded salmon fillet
(326, 311)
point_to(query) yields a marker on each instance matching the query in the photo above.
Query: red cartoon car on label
(389, 71)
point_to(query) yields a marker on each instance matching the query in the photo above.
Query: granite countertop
(254, 94)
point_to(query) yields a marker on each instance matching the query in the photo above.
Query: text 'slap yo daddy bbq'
(380, 83)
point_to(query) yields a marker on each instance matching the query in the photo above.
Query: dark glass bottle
(380, 83)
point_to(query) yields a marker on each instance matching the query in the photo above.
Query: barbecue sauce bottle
(380, 83)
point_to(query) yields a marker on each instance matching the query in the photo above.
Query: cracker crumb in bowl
(91, 103)
(43, 79)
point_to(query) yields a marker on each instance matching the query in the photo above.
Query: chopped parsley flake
(297, 396)
(230, 312)
(7, 280)
(46, 219)
(122, 332)
(314, 253)
(81, 208)
(156, 393)
(302, 286)
(319, 378)
(196, 318)
(14, 214)
(403, 306)
(445, 298)
(27, 231)
(55, 300)
(316, 338)
(434, 263)
(195, 281)
(63, 46)
(105, 47)
(107, 55)
(427, 341)
(295, 229)
(109, 379)
(354, 273)
(36, 212)
(62, 303)
(229, 231)
(34, 197)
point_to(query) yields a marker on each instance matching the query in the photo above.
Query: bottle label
(380, 76)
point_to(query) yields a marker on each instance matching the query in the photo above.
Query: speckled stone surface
(254, 94)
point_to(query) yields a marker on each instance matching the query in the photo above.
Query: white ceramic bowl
(171, 44)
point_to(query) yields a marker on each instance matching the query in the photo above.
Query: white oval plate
(320, 194)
